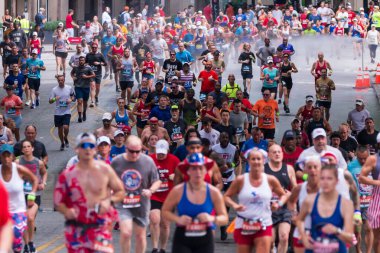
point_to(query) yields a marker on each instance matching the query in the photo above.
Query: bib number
(326, 246)
(246, 69)
(164, 185)
(251, 227)
(196, 229)
(27, 187)
(198, 46)
(131, 200)
(103, 245)
(11, 111)
(62, 104)
(187, 85)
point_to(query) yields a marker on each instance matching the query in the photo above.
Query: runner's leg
(155, 220)
(125, 235)
(140, 238)
(283, 234)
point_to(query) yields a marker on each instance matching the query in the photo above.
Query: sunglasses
(265, 95)
(94, 47)
(133, 151)
(106, 120)
(172, 54)
(86, 145)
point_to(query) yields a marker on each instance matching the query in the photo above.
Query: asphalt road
(49, 236)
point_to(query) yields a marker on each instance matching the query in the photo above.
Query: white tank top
(301, 197)
(256, 200)
(342, 186)
(15, 188)
(228, 154)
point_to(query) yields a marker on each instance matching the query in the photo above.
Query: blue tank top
(120, 121)
(185, 207)
(317, 222)
(332, 28)
(355, 33)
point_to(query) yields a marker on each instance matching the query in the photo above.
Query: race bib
(250, 227)
(267, 121)
(196, 229)
(62, 103)
(145, 115)
(202, 97)
(326, 245)
(188, 85)
(198, 46)
(246, 68)
(131, 200)
(163, 174)
(239, 130)
(27, 187)
(365, 200)
(103, 245)
(11, 111)
(127, 72)
(176, 136)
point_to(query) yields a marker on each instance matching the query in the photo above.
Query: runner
(159, 227)
(95, 60)
(207, 77)
(247, 58)
(122, 116)
(37, 167)
(356, 32)
(142, 110)
(285, 174)
(60, 51)
(186, 77)
(12, 105)
(365, 191)
(238, 119)
(34, 66)
(195, 201)
(331, 228)
(159, 52)
(176, 128)
(5, 221)
(62, 95)
(190, 108)
(119, 147)
(107, 129)
(140, 180)
(82, 76)
(148, 69)
(12, 176)
(319, 65)
(231, 88)
(323, 88)
(83, 195)
(154, 128)
(107, 42)
(317, 121)
(270, 77)
(24, 71)
(16, 80)
(305, 112)
(253, 225)
(286, 68)
(115, 53)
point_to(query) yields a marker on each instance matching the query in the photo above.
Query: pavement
(49, 235)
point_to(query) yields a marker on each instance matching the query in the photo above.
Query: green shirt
(310, 32)
(376, 19)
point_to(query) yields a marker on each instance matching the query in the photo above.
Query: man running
(83, 195)
(286, 68)
(82, 76)
(62, 95)
(128, 66)
(319, 65)
(323, 87)
(140, 180)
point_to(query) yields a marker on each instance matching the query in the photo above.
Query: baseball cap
(174, 78)
(309, 98)
(318, 132)
(359, 101)
(162, 147)
(35, 51)
(174, 107)
(117, 132)
(333, 20)
(159, 83)
(35, 33)
(126, 129)
(107, 116)
(186, 63)
(6, 148)
(60, 24)
(153, 120)
(102, 139)
(270, 59)
(85, 137)
(289, 134)
(144, 91)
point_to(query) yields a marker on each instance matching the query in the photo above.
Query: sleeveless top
(256, 200)
(34, 167)
(185, 207)
(306, 114)
(150, 66)
(117, 51)
(282, 175)
(187, 78)
(121, 121)
(339, 31)
(126, 73)
(314, 125)
(355, 32)
(4, 136)
(317, 222)
(301, 198)
(285, 69)
(145, 109)
(24, 70)
(60, 45)
(34, 44)
(318, 68)
(332, 28)
(15, 191)
(190, 112)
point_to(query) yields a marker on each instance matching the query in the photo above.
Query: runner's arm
(116, 185)
(10, 137)
(6, 233)
(347, 234)
(300, 221)
(292, 176)
(44, 175)
(353, 189)
(217, 180)
(178, 176)
(367, 168)
(293, 198)
(294, 68)
(233, 190)
(26, 173)
(221, 217)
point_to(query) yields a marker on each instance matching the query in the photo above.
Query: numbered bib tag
(127, 72)
(11, 111)
(27, 187)
(246, 69)
(326, 245)
(164, 185)
(177, 136)
(202, 97)
(103, 245)
(196, 229)
(163, 174)
(365, 200)
(198, 46)
(187, 85)
(239, 130)
(62, 104)
(131, 200)
(250, 227)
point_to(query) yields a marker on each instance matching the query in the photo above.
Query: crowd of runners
(184, 146)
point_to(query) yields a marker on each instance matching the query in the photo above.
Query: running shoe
(118, 89)
(105, 75)
(26, 249)
(27, 103)
(37, 101)
(155, 251)
(84, 116)
(62, 147)
(33, 106)
(32, 247)
(80, 119)
(279, 101)
(67, 145)
(96, 100)
(286, 109)
(223, 233)
(92, 104)
(162, 251)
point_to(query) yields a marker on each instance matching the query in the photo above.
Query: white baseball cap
(318, 132)
(35, 51)
(107, 116)
(102, 139)
(117, 132)
(162, 147)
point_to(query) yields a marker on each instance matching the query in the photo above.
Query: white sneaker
(27, 103)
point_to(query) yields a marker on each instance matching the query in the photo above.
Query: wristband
(357, 215)
(233, 165)
(31, 197)
(280, 203)
(277, 114)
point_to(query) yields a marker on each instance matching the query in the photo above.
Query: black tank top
(285, 69)
(282, 175)
(313, 125)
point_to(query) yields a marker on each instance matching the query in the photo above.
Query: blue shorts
(148, 76)
(82, 93)
(16, 118)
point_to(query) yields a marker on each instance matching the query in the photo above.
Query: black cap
(289, 134)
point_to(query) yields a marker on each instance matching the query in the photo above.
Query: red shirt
(4, 206)
(9, 103)
(162, 13)
(69, 19)
(291, 158)
(169, 40)
(351, 16)
(304, 20)
(246, 105)
(165, 168)
(207, 11)
(270, 19)
(208, 85)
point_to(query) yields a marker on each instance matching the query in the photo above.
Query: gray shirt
(74, 60)
(61, 105)
(264, 52)
(78, 72)
(358, 119)
(237, 120)
(135, 176)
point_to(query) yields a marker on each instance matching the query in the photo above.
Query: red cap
(126, 129)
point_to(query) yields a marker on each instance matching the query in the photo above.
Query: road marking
(57, 249)
(44, 246)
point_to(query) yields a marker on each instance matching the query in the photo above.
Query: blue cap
(6, 148)
(196, 159)
(144, 91)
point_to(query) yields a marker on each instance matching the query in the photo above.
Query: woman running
(253, 225)
(142, 111)
(60, 52)
(195, 200)
(13, 106)
(115, 54)
(122, 115)
(331, 217)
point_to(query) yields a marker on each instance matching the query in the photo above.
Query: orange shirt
(269, 109)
